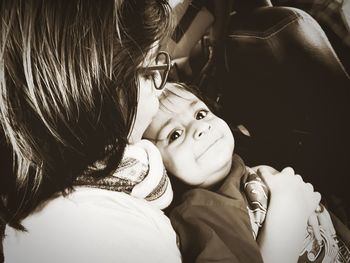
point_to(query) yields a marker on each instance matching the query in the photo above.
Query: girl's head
(195, 144)
(70, 80)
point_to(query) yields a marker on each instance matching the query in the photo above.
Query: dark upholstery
(284, 82)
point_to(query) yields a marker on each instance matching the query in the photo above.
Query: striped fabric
(332, 249)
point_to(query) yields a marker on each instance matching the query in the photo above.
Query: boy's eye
(201, 114)
(175, 135)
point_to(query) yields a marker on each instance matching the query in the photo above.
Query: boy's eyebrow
(161, 128)
(194, 103)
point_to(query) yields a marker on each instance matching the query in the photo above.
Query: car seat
(283, 82)
(280, 81)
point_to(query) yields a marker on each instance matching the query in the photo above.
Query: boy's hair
(68, 90)
(212, 105)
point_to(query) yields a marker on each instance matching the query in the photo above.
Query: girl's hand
(315, 227)
(292, 201)
(290, 188)
(320, 218)
(317, 219)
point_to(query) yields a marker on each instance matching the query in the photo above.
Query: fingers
(309, 187)
(265, 168)
(314, 199)
(280, 182)
(313, 222)
(267, 171)
(289, 183)
(288, 171)
(325, 220)
(264, 172)
(321, 220)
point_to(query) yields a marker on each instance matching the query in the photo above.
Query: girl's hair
(68, 90)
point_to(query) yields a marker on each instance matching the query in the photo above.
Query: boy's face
(196, 145)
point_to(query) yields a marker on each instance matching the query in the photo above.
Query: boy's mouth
(209, 146)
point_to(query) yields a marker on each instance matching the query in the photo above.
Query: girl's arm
(292, 201)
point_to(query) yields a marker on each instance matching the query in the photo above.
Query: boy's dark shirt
(214, 225)
(208, 235)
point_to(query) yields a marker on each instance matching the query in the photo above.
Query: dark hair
(68, 87)
(195, 90)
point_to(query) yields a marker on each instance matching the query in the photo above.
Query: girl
(76, 88)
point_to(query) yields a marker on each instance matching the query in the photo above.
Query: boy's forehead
(178, 90)
(176, 99)
(174, 102)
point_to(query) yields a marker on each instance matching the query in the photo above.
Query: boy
(197, 148)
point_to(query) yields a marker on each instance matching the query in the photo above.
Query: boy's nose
(202, 128)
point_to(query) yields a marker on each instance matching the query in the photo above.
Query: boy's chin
(217, 177)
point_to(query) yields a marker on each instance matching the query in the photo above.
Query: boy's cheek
(170, 164)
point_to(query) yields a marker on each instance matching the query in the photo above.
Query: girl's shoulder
(93, 225)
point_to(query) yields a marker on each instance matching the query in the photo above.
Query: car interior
(281, 79)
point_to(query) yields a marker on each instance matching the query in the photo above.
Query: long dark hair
(68, 87)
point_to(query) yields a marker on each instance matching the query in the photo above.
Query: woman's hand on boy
(313, 222)
(292, 201)
(318, 219)
(321, 219)
(289, 191)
